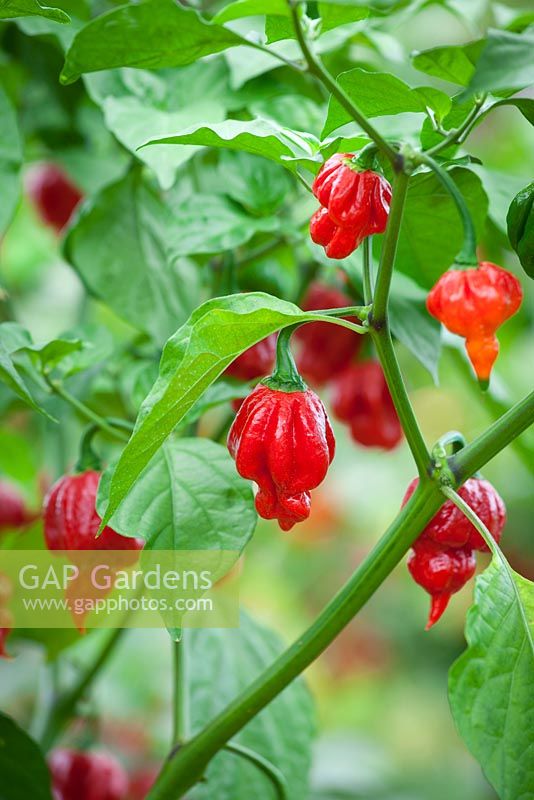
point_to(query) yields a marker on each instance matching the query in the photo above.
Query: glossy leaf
(250, 8)
(123, 248)
(161, 33)
(216, 333)
(455, 64)
(281, 733)
(335, 14)
(22, 765)
(189, 497)
(10, 9)
(505, 63)
(492, 684)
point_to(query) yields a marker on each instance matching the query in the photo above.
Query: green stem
(181, 696)
(468, 253)
(187, 767)
(460, 503)
(273, 774)
(390, 365)
(367, 279)
(85, 411)
(457, 135)
(63, 707)
(286, 376)
(473, 457)
(316, 68)
(303, 181)
(389, 248)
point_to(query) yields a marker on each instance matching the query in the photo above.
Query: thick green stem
(272, 773)
(316, 68)
(181, 694)
(63, 708)
(468, 253)
(389, 248)
(285, 377)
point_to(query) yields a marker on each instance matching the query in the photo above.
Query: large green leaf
(122, 248)
(137, 103)
(216, 333)
(505, 63)
(10, 160)
(150, 34)
(491, 686)
(431, 232)
(189, 497)
(282, 732)
(378, 94)
(22, 765)
(256, 183)
(256, 136)
(10, 9)
(454, 63)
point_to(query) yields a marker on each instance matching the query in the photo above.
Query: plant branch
(273, 773)
(468, 253)
(458, 135)
(111, 429)
(316, 68)
(367, 279)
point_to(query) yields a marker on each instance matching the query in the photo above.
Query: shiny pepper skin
(474, 303)
(71, 521)
(361, 398)
(87, 776)
(452, 528)
(441, 571)
(354, 204)
(53, 194)
(13, 511)
(256, 362)
(325, 349)
(283, 441)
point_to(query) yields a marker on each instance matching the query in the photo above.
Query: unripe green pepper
(520, 220)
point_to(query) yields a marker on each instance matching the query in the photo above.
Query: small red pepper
(451, 527)
(53, 194)
(441, 571)
(256, 362)
(361, 398)
(85, 775)
(283, 441)
(474, 303)
(355, 204)
(325, 348)
(13, 510)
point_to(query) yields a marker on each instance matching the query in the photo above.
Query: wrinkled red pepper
(78, 775)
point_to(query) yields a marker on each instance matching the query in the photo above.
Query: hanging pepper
(281, 439)
(474, 303)
(451, 527)
(53, 194)
(86, 775)
(255, 362)
(441, 571)
(13, 510)
(355, 204)
(361, 398)
(325, 348)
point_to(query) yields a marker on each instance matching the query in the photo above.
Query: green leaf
(124, 246)
(216, 333)
(251, 8)
(150, 34)
(257, 184)
(9, 9)
(335, 14)
(431, 232)
(256, 136)
(189, 497)
(376, 94)
(138, 102)
(523, 104)
(10, 160)
(455, 64)
(492, 684)
(17, 456)
(12, 338)
(281, 733)
(505, 63)
(520, 222)
(48, 356)
(22, 765)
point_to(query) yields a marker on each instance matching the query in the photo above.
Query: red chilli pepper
(87, 776)
(283, 441)
(355, 204)
(13, 510)
(255, 362)
(451, 527)
(53, 194)
(325, 348)
(361, 398)
(474, 303)
(441, 571)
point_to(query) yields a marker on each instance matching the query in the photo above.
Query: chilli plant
(255, 200)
